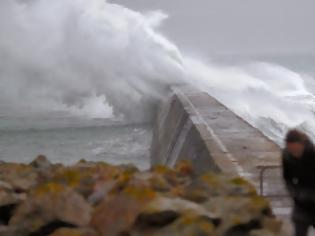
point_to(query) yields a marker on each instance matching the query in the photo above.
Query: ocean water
(70, 139)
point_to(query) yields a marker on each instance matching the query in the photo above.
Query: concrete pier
(194, 126)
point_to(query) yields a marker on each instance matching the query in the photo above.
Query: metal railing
(262, 170)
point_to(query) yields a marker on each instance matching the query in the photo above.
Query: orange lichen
(184, 168)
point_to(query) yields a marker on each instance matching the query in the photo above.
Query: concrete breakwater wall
(193, 125)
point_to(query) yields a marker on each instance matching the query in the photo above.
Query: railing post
(261, 181)
(263, 169)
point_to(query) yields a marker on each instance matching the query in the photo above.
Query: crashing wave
(100, 59)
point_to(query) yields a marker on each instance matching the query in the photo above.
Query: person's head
(296, 142)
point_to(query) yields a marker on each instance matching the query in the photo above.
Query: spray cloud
(65, 54)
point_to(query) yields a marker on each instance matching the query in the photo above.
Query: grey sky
(237, 26)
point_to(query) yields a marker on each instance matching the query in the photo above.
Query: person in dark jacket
(299, 174)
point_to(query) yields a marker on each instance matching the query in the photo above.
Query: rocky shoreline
(99, 199)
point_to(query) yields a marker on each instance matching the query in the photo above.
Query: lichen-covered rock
(8, 203)
(180, 206)
(41, 162)
(185, 168)
(186, 225)
(99, 199)
(9, 231)
(20, 176)
(8, 196)
(261, 232)
(79, 179)
(241, 214)
(9, 200)
(212, 185)
(100, 191)
(272, 224)
(87, 178)
(74, 232)
(174, 216)
(117, 214)
(51, 205)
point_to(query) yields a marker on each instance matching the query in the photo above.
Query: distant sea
(70, 139)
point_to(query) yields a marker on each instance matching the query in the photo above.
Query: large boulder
(20, 176)
(9, 231)
(117, 213)
(9, 200)
(211, 185)
(174, 216)
(49, 207)
(240, 214)
(41, 162)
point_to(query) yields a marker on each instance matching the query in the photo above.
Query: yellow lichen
(206, 226)
(48, 188)
(160, 169)
(239, 181)
(211, 179)
(140, 194)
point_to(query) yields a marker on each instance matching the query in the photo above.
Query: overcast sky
(237, 26)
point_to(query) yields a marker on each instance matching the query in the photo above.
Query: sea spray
(101, 59)
(62, 54)
(270, 97)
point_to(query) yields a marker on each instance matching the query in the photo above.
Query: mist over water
(98, 59)
(78, 55)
